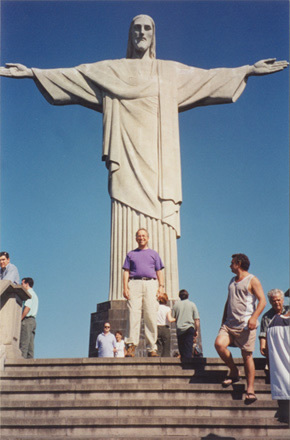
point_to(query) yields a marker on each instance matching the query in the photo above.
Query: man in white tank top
(239, 323)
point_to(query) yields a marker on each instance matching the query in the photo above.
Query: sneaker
(152, 354)
(130, 348)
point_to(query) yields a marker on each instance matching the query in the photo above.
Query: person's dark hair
(183, 294)
(163, 298)
(28, 281)
(5, 254)
(242, 259)
(119, 332)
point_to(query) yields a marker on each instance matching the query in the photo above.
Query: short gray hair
(275, 292)
(142, 229)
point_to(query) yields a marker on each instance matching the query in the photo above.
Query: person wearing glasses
(7, 270)
(106, 342)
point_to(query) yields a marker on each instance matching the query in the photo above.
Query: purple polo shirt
(143, 263)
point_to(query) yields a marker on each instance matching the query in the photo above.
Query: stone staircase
(140, 398)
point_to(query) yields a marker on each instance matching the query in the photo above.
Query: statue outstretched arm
(13, 70)
(266, 67)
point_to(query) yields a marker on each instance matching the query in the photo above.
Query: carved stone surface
(11, 298)
(140, 100)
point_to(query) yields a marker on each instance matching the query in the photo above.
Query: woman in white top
(120, 345)
(164, 318)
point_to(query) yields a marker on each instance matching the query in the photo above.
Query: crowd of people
(143, 284)
(9, 272)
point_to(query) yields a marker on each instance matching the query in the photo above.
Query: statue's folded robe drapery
(140, 118)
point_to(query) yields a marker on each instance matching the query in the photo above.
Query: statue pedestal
(116, 313)
(11, 298)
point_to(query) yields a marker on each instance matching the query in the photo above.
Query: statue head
(141, 37)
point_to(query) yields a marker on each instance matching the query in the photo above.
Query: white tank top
(241, 303)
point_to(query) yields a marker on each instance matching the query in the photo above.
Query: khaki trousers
(142, 296)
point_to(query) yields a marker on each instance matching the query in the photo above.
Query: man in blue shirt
(106, 342)
(28, 321)
(7, 270)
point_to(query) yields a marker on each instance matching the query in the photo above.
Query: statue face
(142, 33)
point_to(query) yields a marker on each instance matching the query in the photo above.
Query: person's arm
(225, 313)
(160, 279)
(256, 289)
(197, 327)
(263, 347)
(24, 312)
(263, 335)
(169, 317)
(126, 292)
(266, 67)
(14, 70)
(97, 346)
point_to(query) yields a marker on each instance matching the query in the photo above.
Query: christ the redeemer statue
(140, 98)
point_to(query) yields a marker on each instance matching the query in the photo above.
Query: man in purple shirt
(142, 281)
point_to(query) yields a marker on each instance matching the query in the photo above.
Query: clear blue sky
(55, 205)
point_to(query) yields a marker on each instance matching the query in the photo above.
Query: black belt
(141, 278)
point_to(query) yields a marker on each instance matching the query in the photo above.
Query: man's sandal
(230, 380)
(250, 398)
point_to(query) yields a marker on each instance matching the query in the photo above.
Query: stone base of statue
(11, 298)
(116, 313)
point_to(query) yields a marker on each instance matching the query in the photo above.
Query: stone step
(134, 362)
(99, 370)
(225, 398)
(151, 426)
(138, 411)
(92, 378)
(231, 435)
(134, 386)
(253, 422)
(140, 398)
(191, 401)
(127, 370)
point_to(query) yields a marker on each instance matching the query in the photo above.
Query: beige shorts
(242, 338)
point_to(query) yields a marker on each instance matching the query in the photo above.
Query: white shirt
(120, 346)
(32, 303)
(161, 315)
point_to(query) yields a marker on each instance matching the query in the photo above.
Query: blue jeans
(185, 343)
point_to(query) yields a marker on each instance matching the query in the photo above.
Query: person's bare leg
(221, 346)
(249, 371)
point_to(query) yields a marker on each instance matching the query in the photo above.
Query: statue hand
(13, 70)
(266, 67)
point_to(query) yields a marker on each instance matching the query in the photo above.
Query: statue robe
(140, 101)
